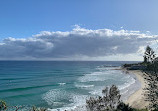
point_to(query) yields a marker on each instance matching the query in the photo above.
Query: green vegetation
(4, 107)
(149, 55)
(151, 91)
(125, 107)
(151, 75)
(34, 108)
(109, 101)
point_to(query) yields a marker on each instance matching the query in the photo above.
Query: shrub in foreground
(108, 102)
(3, 105)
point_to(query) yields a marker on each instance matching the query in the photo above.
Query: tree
(149, 54)
(108, 102)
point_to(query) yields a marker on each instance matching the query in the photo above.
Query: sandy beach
(136, 100)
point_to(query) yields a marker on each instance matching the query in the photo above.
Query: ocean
(60, 85)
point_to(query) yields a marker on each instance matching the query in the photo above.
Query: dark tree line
(151, 75)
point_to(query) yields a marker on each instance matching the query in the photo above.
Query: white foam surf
(84, 86)
(78, 101)
(61, 84)
(95, 76)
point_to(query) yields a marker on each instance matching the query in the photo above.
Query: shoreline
(137, 99)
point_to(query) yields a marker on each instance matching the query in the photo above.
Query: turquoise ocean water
(60, 84)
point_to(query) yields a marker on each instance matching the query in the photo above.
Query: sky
(77, 29)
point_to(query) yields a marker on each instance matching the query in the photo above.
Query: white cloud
(78, 44)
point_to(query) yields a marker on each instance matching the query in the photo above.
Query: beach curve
(137, 99)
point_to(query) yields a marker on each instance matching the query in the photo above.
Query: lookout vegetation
(151, 75)
(109, 101)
